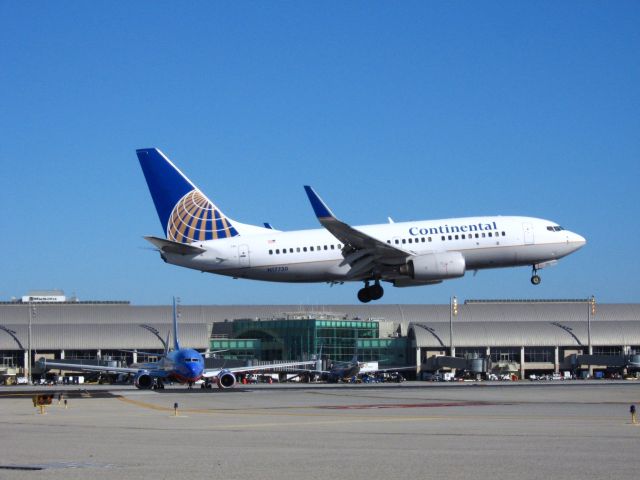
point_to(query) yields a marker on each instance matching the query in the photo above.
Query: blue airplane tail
(176, 341)
(186, 214)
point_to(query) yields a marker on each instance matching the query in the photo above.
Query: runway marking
(147, 405)
(56, 465)
(408, 405)
(515, 402)
(264, 412)
(269, 411)
(344, 418)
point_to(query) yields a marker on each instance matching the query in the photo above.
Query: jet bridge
(612, 361)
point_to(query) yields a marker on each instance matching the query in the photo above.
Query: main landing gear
(158, 385)
(535, 278)
(370, 292)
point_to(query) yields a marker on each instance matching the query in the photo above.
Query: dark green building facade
(297, 338)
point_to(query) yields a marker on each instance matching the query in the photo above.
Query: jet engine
(143, 380)
(434, 266)
(226, 379)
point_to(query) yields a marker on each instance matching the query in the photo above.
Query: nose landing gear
(370, 292)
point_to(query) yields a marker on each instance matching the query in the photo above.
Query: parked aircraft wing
(214, 372)
(393, 369)
(45, 364)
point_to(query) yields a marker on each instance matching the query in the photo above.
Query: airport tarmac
(524, 430)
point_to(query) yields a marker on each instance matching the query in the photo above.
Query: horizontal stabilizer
(169, 246)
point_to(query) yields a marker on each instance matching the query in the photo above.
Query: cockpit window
(555, 228)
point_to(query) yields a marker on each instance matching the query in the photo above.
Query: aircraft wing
(46, 364)
(392, 369)
(214, 372)
(361, 251)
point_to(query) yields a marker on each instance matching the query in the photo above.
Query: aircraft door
(527, 229)
(243, 255)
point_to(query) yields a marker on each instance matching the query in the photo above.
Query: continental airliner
(198, 235)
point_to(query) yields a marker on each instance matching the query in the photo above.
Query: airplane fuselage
(184, 366)
(316, 255)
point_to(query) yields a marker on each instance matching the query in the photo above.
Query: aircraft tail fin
(176, 341)
(186, 214)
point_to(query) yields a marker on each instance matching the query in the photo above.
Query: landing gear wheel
(376, 291)
(535, 279)
(364, 295)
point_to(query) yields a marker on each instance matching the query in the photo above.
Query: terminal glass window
(505, 354)
(237, 349)
(294, 338)
(150, 356)
(81, 354)
(339, 338)
(388, 352)
(539, 354)
(124, 358)
(12, 359)
(611, 351)
(471, 352)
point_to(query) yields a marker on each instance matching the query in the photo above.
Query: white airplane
(199, 236)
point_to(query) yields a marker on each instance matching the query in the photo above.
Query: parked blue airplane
(183, 365)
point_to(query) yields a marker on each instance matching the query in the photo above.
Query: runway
(412, 430)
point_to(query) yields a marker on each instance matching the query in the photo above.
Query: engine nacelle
(143, 380)
(435, 266)
(225, 379)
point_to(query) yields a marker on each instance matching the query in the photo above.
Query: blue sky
(414, 110)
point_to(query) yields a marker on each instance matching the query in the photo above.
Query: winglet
(319, 207)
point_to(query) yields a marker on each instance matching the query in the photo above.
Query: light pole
(32, 314)
(591, 313)
(453, 311)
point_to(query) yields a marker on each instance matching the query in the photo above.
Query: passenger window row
(463, 236)
(472, 235)
(282, 251)
(397, 241)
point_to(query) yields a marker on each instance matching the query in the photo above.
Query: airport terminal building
(515, 337)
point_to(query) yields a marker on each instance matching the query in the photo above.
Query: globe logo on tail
(194, 218)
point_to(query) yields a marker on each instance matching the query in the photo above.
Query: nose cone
(578, 241)
(195, 370)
